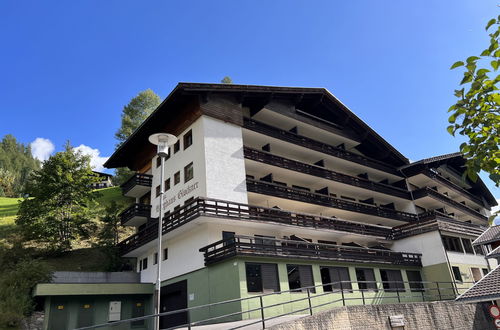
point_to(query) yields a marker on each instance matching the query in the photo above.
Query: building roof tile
(485, 289)
(492, 234)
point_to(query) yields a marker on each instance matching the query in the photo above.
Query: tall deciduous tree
(227, 80)
(60, 205)
(476, 114)
(16, 164)
(133, 114)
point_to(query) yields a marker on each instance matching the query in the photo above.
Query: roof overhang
(82, 289)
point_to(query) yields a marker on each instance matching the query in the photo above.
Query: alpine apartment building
(276, 188)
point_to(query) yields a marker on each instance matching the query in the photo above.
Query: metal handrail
(309, 297)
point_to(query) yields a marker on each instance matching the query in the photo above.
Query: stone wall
(34, 322)
(432, 315)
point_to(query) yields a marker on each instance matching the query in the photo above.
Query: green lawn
(112, 193)
(9, 206)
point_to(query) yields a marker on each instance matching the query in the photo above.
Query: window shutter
(306, 277)
(270, 277)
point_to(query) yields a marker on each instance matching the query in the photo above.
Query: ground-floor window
(415, 280)
(366, 279)
(456, 273)
(392, 280)
(335, 278)
(300, 276)
(262, 277)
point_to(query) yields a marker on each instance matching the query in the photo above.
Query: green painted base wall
(99, 306)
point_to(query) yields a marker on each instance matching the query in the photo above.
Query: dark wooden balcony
(243, 212)
(267, 158)
(135, 215)
(239, 246)
(137, 185)
(261, 187)
(432, 221)
(429, 192)
(435, 176)
(309, 143)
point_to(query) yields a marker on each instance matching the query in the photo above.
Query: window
(158, 161)
(452, 244)
(485, 271)
(228, 237)
(415, 280)
(366, 279)
(144, 263)
(331, 277)
(300, 276)
(177, 178)
(392, 280)
(177, 146)
(155, 259)
(188, 172)
(476, 274)
(456, 273)
(188, 139)
(262, 277)
(158, 190)
(167, 184)
(478, 250)
(467, 245)
(165, 253)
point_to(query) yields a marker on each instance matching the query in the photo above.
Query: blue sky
(68, 67)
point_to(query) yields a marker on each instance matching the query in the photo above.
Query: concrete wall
(435, 315)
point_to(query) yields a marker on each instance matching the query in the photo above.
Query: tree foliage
(16, 164)
(227, 80)
(61, 203)
(476, 114)
(133, 114)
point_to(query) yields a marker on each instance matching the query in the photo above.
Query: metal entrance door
(58, 319)
(85, 314)
(173, 297)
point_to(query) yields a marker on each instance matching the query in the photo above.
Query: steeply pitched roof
(185, 94)
(492, 234)
(488, 288)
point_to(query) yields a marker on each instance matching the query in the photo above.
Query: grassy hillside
(82, 257)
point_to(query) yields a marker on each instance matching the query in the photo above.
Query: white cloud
(42, 148)
(96, 161)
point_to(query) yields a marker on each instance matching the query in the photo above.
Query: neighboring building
(277, 188)
(488, 288)
(105, 180)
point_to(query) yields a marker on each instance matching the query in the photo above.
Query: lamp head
(162, 141)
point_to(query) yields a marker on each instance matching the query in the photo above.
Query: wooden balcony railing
(135, 210)
(293, 165)
(238, 211)
(431, 221)
(309, 143)
(261, 187)
(278, 248)
(435, 176)
(429, 192)
(138, 179)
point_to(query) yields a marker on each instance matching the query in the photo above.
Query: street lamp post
(163, 141)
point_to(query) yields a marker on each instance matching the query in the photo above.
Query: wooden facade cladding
(261, 187)
(429, 192)
(239, 246)
(223, 109)
(312, 144)
(268, 158)
(244, 212)
(438, 178)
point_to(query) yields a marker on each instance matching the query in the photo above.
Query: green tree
(227, 80)
(16, 164)
(133, 114)
(476, 114)
(61, 204)
(110, 230)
